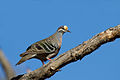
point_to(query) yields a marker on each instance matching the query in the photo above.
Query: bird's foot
(49, 59)
(43, 63)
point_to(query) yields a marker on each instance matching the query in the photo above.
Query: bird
(45, 49)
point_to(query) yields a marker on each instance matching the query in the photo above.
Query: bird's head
(63, 29)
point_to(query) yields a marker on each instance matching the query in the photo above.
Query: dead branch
(72, 55)
(6, 66)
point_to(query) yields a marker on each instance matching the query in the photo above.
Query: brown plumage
(46, 48)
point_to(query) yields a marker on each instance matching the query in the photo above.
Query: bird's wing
(31, 53)
(45, 46)
(40, 47)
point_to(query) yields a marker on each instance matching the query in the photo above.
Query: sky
(23, 22)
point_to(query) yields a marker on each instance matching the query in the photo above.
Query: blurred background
(23, 22)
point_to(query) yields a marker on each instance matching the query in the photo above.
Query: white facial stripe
(61, 30)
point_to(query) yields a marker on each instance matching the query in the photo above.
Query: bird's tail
(24, 58)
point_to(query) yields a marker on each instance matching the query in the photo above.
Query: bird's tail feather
(24, 58)
(23, 54)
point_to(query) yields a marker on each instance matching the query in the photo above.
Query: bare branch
(6, 66)
(72, 55)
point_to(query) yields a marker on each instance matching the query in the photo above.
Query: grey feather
(46, 48)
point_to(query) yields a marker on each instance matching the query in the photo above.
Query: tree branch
(6, 66)
(72, 55)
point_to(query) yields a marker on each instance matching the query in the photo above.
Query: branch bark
(6, 66)
(72, 55)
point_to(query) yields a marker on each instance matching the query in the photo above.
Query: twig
(6, 66)
(72, 55)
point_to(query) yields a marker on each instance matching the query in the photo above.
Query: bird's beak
(68, 31)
